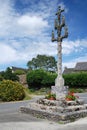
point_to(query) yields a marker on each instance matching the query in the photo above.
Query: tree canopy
(45, 62)
(8, 75)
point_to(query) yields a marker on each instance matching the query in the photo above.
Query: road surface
(12, 119)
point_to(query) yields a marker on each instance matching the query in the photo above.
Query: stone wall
(22, 80)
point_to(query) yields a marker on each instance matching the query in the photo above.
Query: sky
(26, 27)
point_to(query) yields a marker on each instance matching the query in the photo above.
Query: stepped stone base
(56, 110)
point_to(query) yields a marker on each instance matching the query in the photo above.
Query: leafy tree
(8, 75)
(47, 63)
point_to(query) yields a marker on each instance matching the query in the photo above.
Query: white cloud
(24, 52)
(5, 17)
(7, 54)
(34, 25)
(16, 52)
(74, 46)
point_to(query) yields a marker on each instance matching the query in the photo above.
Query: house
(17, 68)
(80, 67)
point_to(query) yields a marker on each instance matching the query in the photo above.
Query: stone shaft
(60, 90)
(59, 80)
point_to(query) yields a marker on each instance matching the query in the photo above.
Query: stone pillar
(59, 89)
(59, 80)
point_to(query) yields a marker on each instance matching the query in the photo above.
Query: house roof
(68, 70)
(16, 68)
(81, 66)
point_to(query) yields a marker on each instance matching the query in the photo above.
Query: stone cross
(59, 87)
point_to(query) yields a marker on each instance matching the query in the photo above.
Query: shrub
(11, 91)
(8, 75)
(76, 79)
(1, 78)
(49, 79)
(37, 79)
(34, 78)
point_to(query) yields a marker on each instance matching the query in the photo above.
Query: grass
(77, 90)
(42, 91)
(30, 93)
(27, 94)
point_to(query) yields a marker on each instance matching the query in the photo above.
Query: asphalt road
(12, 119)
(82, 96)
(9, 112)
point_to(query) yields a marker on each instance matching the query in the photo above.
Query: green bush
(37, 79)
(8, 75)
(77, 80)
(49, 79)
(1, 78)
(11, 91)
(34, 78)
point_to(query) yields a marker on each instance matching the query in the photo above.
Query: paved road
(9, 112)
(12, 119)
(82, 96)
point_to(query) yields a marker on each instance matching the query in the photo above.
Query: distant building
(80, 67)
(17, 68)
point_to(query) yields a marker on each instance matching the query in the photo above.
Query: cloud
(5, 17)
(33, 25)
(74, 46)
(7, 54)
(24, 50)
(17, 51)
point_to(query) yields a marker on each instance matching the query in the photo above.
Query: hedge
(40, 78)
(76, 79)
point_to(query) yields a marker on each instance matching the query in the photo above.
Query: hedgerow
(37, 79)
(77, 80)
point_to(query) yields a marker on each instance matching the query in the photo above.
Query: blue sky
(26, 26)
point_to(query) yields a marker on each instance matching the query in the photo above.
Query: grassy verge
(30, 93)
(27, 94)
(77, 90)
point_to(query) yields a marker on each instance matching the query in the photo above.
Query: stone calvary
(59, 108)
(59, 89)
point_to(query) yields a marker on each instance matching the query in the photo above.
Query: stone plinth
(56, 110)
(60, 92)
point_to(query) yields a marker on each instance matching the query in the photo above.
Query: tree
(47, 63)
(8, 75)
